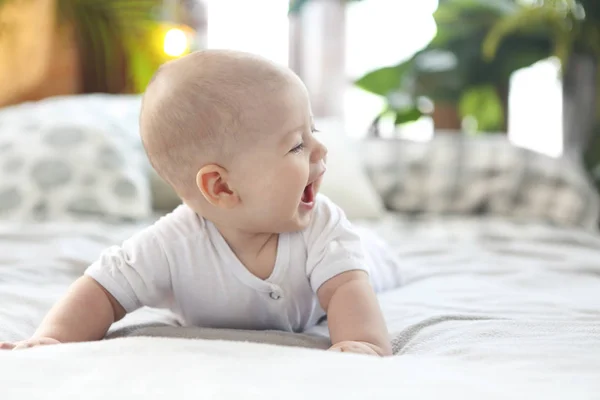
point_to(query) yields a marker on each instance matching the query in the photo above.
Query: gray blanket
(268, 337)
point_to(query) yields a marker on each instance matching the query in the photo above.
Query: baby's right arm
(123, 279)
(85, 313)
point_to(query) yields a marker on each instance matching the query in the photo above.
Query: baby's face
(279, 175)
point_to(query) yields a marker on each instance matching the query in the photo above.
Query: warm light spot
(176, 43)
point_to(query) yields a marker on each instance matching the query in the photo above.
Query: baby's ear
(212, 181)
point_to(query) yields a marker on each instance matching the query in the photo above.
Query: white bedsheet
(489, 309)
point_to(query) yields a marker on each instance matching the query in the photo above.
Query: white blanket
(489, 309)
(143, 368)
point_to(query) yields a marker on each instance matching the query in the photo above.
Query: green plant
(573, 29)
(115, 41)
(570, 25)
(452, 70)
(297, 5)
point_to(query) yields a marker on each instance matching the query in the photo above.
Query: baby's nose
(319, 153)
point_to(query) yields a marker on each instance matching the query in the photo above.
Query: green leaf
(296, 6)
(460, 19)
(111, 27)
(453, 8)
(555, 21)
(385, 80)
(410, 115)
(484, 104)
(142, 68)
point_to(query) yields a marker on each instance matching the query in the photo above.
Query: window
(381, 33)
(257, 26)
(536, 108)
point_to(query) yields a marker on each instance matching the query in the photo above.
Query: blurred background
(396, 68)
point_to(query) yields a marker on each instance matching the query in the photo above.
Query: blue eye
(298, 148)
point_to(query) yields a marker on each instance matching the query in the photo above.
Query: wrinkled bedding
(488, 309)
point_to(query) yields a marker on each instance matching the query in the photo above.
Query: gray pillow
(455, 174)
(55, 170)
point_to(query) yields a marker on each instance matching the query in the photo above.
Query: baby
(254, 245)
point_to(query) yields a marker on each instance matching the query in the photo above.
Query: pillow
(61, 160)
(455, 174)
(117, 114)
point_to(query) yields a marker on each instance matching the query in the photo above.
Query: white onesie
(182, 263)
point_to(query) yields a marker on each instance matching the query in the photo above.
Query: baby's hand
(354, 347)
(25, 344)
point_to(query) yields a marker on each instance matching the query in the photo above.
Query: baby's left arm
(354, 317)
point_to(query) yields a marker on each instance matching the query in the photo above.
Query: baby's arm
(85, 313)
(355, 320)
(137, 273)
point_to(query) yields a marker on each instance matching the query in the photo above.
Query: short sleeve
(135, 273)
(333, 246)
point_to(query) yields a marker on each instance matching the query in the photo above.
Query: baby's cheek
(280, 188)
(267, 193)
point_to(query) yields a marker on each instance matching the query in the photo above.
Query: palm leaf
(549, 21)
(461, 18)
(111, 34)
(114, 27)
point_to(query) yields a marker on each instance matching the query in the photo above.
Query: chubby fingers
(25, 344)
(7, 346)
(44, 341)
(353, 347)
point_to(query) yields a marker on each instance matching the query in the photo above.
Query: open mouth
(308, 196)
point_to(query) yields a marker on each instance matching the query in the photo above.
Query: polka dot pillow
(61, 170)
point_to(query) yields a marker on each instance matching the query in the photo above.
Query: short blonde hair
(197, 110)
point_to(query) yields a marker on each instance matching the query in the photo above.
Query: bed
(498, 303)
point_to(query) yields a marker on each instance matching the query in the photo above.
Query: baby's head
(233, 134)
